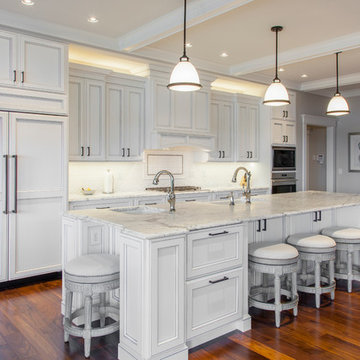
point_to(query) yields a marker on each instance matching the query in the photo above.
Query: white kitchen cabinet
(180, 112)
(286, 112)
(283, 132)
(125, 111)
(36, 191)
(150, 200)
(32, 63)
(100, 203)
(213, 301)
(191, 197)
(86, 119)
(310, 222)
(271, 229)
(247, 132)
(222, 124)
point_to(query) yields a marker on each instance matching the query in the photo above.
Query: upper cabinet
(235, 123)
(283, 123)
(33, 74)
(106, 116)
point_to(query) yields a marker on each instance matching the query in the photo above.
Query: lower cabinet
(213, 301)
(271, 229)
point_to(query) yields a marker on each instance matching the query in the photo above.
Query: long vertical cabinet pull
(14, 79)
(15, 183)
(6, 209)
(22, 77)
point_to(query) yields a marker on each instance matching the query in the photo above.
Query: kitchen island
(183, 275)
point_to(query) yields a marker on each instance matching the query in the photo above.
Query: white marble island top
(199, 215)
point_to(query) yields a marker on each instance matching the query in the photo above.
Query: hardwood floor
(31, 329)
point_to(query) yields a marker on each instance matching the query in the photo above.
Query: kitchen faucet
(171, 194)
(247, 175)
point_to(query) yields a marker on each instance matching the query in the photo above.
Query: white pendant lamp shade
(338, 106)
(184, 77)
(276, 95)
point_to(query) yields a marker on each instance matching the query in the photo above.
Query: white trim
(346, 42)
(349, 79)
(330, 125)
(172, 23)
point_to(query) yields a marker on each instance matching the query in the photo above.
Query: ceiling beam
(172, 23)
(349, 79)
(343, 43)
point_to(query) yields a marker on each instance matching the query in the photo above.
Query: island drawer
(213, 301)
(215, 249)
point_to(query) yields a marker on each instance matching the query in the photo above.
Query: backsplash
(132, 177)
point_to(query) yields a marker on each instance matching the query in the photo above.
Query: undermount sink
(140, 210)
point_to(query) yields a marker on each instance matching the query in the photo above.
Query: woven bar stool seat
(277, 259)
(318, 249)
(347, 241)
(91, 275)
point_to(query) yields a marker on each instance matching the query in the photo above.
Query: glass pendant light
(338, 105)
(276, 94)
(184, 77)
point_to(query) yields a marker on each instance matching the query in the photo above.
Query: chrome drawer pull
(190, 200)
(220, 233)
(220, 280)
(153, 203)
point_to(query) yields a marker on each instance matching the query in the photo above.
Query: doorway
(316, 157)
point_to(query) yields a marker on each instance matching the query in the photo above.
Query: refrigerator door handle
(15, 183)
(6, 210)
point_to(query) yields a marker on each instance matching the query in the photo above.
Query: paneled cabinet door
(290, 132)
(268, 229)
(37, 191)
(95, 120)
(42, 64)
(222, 123)
(247, 132)
(201, 115)
(8, 63)
(76, 119)
(286, 112)
(283, 132)
(182, 113)
(3, 200)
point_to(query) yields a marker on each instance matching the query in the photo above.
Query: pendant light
(276, 94)
(337, 105)
(184, 76)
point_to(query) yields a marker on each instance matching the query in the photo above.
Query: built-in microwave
(283, 158)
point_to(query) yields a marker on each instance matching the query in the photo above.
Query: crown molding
(346, 42)
(172, 23)
(349, 79)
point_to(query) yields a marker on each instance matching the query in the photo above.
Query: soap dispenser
(108, 182)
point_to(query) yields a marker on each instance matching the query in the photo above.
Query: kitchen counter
(198, 215)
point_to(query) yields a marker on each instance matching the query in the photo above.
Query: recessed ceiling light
(304, 76)
(224, 54)
(188, 45)
(27, 2)
(281, 69)
(93, 19)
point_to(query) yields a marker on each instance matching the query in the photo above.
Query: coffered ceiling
(313, 31)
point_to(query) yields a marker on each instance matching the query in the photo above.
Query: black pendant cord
(184, 54)
(337, 72)
(276, 55)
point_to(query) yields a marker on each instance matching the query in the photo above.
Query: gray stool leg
(304, 271)
(349, 270)
(67, 315)
(102, 309)
(317, 284)
(277, 300)
(332, 277)
(294, 291)
(87, 327)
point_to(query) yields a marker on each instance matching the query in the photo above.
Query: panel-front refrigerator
(33, 193)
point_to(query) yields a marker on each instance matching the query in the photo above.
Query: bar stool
(90, 275)
(319, 249)
(347, 239)
(277, 259)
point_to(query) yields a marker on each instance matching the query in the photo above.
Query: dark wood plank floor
(31, 329)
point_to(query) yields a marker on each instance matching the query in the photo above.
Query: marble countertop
(199, 215)
(149, 193)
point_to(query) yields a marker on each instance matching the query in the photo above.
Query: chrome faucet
(247, 192)
(171, 194)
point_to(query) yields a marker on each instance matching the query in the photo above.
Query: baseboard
(30, 280)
